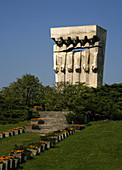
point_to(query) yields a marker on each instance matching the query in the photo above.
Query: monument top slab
(79, 31)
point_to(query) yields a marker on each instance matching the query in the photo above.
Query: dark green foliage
(75, 118)
(70, 117)
(34, 126)
(11, 111)
(32, 114)
(104, 102)
(16, 100)
(107, 102)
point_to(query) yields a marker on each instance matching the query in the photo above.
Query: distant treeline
(104, 102)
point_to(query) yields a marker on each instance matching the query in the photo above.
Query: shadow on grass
(54, 146)
(20, 166)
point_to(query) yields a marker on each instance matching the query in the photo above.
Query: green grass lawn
(97, 147)
(7, 144)
(11, 126)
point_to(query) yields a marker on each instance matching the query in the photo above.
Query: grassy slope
(98, 147)
(11, 126)
(7, 144)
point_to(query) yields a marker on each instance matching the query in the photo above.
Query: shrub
(117, 115)
(70, 117)
(35, 126)
(75, 118)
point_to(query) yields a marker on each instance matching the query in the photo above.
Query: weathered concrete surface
(79, 54)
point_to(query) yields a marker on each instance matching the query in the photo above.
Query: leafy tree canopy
(104, 102)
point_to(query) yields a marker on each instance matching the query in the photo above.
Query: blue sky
(25, 43)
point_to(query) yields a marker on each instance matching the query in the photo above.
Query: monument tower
(78, 54)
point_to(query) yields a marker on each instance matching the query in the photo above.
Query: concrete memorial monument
(78, 54)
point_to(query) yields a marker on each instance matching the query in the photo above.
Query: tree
(25, 89)
(16, 99)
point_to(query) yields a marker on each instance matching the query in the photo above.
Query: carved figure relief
(59, 58)
(77, 67)
(94, 53)
(69, 67)
(87, 62)
(70, 61)
(55, 58)
(77, 61)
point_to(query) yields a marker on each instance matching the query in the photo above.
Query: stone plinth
(34, 152)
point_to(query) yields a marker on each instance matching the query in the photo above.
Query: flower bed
(30, 126)
(33, 149)
(50, 137)
(40, 145)
(12, 132)
(37, 121)
(59, 135)
(78, 126)
(18, 154)
(7, 134)
(6, 162)
(65, 132)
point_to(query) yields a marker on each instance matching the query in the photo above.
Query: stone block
(20, 156)
(7, 164)
(16, 163)
(12, 133)
(60, 137)
(7, 134)
(63, 135)
(16, 132)
(71, 63)
(2, 166)
(12, 163)
(34, 152)
(44, 146)
(28, 127)
(21, 130)
(48, 144)
(39, 149)
(1, 135)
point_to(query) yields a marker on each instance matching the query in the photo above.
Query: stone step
(52, 114)
(51, 130)
(46, 130)
(47, 126)
(53, 121)
(50, 119)
(53, 118)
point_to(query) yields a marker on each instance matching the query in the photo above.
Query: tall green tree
(25, 89)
